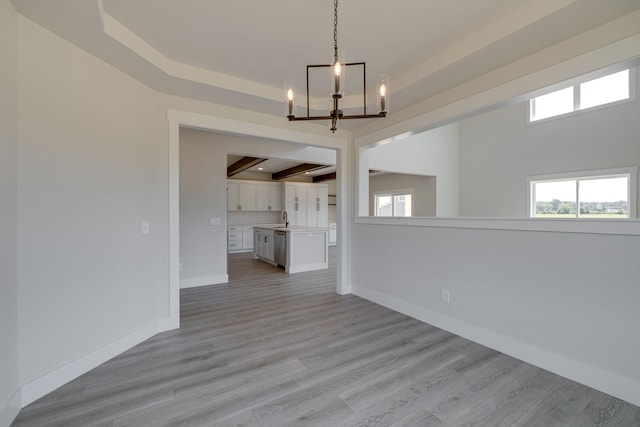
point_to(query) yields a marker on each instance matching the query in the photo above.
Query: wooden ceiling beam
(296, 170)
(326, 177)
(243, 164)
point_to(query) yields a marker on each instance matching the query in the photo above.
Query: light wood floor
(270, 349)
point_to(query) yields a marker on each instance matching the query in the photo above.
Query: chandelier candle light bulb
(289, 93)
(337, 71)
(383, 88)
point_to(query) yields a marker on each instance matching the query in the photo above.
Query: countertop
(291, 228)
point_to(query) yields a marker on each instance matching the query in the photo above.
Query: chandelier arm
(362, 116)
(343, 116)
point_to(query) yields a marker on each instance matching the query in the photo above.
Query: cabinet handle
(269, 207)
(239, 207)
(296, 205)
(318, 206)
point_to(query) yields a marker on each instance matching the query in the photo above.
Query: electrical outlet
(445, 296)
(144, 227)
(214, 221)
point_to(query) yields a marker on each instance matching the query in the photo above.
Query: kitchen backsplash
(254, 217)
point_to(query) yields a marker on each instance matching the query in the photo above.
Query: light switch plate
(145, 227)
(214, 221)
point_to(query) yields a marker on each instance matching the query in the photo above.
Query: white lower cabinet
(297, 249)
(333, 233)
(240, 238)
(247, 237)
(234, 239)
(263, 244)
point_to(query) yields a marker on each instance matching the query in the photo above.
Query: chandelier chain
(335, 29)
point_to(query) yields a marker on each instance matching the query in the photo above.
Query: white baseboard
(35, 389)
(168, 324)
(10, 408)
(203, 281)
(592, 376)
(300, 268)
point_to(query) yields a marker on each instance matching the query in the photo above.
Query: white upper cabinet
(254, 196)
(306, 204)
(232, 196)
(295, 192)
(270, 196)
(247, 197)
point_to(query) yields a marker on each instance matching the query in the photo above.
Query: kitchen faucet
(286, 221)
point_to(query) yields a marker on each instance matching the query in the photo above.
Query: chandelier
(338, 70)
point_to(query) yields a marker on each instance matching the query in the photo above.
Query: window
(604, 90)
(590, 195)
(394, 203)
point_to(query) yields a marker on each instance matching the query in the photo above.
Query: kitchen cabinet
(240, 238)
(247, 197)
(317, 207)
(241, 196)
(263, 244)
(247, 237)
(269, 196)
(333, 234)
(232, 196)
(254, 196)
(306, 204)
(297, 249)
(234, 239)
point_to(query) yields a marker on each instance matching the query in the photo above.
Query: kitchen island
(295, 248)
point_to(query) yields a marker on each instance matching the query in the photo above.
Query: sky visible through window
(601, 91)
(606, 89)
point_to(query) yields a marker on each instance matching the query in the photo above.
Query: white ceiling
(239, 53)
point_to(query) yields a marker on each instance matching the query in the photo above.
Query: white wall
(423, 202)
(92, 164)
(499, 149)
(9, 399)
(543, 296)
(203, 184)
(203, 194)
(254, 217)
(547, 298)
(434, 153)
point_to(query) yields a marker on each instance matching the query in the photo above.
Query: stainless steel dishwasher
(280, 248)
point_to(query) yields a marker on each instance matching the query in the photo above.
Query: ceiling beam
(296, 170)
(326, 177)
(243, 164)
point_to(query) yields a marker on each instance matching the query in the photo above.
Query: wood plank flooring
(271, 349)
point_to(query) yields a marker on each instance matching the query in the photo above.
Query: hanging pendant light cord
(335, 30)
